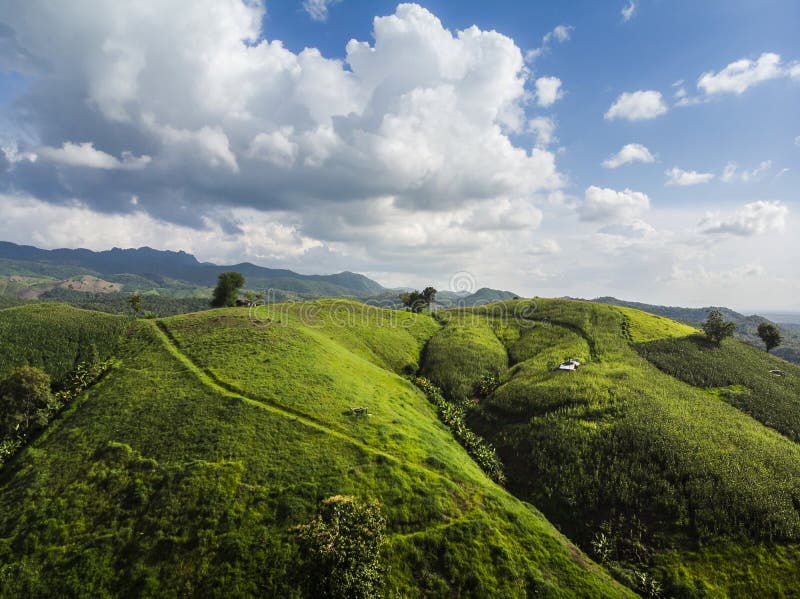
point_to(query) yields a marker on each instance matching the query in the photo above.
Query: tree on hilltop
(417, 301)
(227, 289)
(717, 328)
(770, 335)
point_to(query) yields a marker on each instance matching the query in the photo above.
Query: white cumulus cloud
(86, 155)
(680, 177)
(629, 153)
(755, 218)
(548, 90)
(637, 106)
(742, 74)
(612, 206)
(543, 128)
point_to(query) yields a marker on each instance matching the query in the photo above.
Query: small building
(569, 364)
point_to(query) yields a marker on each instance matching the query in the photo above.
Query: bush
(340, 549)
(454, 416)
(25, 400)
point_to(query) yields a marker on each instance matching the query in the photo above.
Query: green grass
(461, 353)
(740, 372)
(55, 337)
(183, 471)
(643, 326)
(621, 445)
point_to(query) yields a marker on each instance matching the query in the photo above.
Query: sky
(644, 149)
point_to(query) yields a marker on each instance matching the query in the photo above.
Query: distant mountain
(158, 267)
(746, 326)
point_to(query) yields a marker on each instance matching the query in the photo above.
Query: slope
(643, 470)
(184, 470)
(746, 326)
(55, 337)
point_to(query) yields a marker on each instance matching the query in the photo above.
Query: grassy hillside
(737, 373)
(746, 326)
(634, 464)
(184, 471)
(55, 337)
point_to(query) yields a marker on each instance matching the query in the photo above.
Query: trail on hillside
(213, 382)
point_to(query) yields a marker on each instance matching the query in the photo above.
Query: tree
(135, 303)
(770, 335)
(227, 289)
(717, 328)
(429, 295)
(341, 549)
(416, 301)
(25, 400)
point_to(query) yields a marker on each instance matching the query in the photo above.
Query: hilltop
(746, 326)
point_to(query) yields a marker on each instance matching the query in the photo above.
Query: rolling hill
(672, 464)
(185, 470)
(660, 453)
(746, 326)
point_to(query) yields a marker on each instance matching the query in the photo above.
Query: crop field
(622, 449)
(55, 337)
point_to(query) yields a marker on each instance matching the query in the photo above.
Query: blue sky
(423, 154)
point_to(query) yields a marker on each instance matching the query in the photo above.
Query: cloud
(560, 33)
(742, 74)
(544, 129)
(318, 9)
(676, 176)
(699, 273)
(732, 173)
(85, 155)
(637, 106)
(629, 153)
(612, 206)
(797, 141)
(13, 155)
(546, 247)
(628, 10)
(755, 218)
(548, 90)
(271, 237)
(422, 117)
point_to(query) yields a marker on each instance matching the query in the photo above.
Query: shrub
(25, 400)
(454, 417)
(340, 549)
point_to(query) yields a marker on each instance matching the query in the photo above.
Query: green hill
(55, 337)
(746, 326)
(645, 471)
(184, 471)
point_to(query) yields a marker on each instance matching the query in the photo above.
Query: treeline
(118, 303)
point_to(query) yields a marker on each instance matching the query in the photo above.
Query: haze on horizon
(645, 150)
